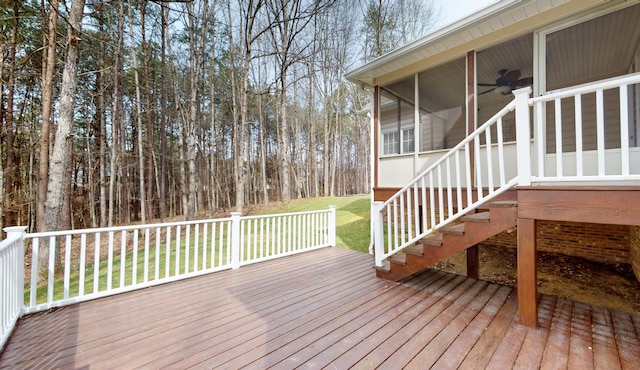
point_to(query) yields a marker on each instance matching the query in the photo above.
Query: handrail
(411, 214)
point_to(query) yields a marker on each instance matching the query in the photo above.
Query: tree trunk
(117, 122)
(61, 156)
(150, 200)
(162, 198)
(48, 65)
(141, 168)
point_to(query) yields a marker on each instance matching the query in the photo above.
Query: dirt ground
(606, 285)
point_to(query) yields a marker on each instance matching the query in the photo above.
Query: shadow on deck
(318, 309)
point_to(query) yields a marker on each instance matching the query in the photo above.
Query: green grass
(352, 217)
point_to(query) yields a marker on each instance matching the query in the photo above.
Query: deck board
(323, 309)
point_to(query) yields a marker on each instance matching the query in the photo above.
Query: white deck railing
(80, 265)
(612, 158)
(11, 280)
(428, 203)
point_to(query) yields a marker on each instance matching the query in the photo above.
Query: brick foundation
(596, 242)
(634, 246)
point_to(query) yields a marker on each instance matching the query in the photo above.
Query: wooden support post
(473, 262)
(527, 273)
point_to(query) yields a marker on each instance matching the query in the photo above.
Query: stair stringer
(502, 216)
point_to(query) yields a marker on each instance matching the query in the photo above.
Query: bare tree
(61, 155)
(290, 19)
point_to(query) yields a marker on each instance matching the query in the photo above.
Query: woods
(122, 111)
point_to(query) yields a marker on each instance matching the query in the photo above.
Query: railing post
(523, 136)
(235, 239)
(12, 303)
(332, 226)
(378, 233)
(18, 232)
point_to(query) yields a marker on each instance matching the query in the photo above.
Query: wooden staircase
(491, 220)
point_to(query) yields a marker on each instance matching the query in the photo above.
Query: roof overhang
(498, 22)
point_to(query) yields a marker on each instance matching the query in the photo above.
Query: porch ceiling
(600, 48)
(496, 23)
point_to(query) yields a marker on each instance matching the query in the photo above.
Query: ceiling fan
(507, 82)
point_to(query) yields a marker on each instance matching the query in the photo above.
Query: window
(408, 140)
(397, 124)
(391, 141)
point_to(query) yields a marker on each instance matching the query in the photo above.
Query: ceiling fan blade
(511, 76)
(485, 84)
(525, 81)
(488, 91)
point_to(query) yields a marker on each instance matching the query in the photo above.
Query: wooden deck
(323, 309)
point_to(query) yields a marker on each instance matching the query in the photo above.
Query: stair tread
(453, 229)
(477, 217)
(398, 258)
(435, 241)
(416, 250)
(503, 204)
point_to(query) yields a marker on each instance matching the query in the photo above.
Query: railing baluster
(416, 208)
(196, 248)
(501, 162)
(256, 233)
(146, 255)
(558, 126)
(157, 261)
(167, 253)
(52, 268)
(478, 165)
(289, 234)
(35, 254)
(440, 195)
(187, 249)
(229, 236)
(83, 257)
(406, 216)
(624, 130)
(262, 235)
(432, 201)
(459, 204)
(489, 143)
(96, 264)
(425, 205)
(468, 168)
(177, 259)
(67, 265)
(389, 228)
(449, 188)
(134, 265)
(600, 130)
(123, 255)
(540, 138)
(578, 119)
(214, 255)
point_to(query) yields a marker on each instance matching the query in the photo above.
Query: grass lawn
(352, 217)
